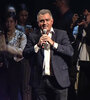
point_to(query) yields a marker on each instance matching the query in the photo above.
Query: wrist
(52, 43)
(38, 44)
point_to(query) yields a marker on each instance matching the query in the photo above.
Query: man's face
(85, 12)
(23, 16)
(45, 22)
(58, 3)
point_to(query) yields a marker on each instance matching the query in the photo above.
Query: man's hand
(45, 38)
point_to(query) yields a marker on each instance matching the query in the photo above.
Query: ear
(38, 23)
(52, 20)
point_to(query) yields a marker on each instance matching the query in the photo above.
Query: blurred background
(35, 5)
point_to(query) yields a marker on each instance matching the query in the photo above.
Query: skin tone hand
(45, 38)
(83, 22)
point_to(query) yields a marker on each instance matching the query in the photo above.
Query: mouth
(44, 27)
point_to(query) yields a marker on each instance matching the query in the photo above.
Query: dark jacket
(59, 57)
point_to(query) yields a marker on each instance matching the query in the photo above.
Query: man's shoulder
(35, 34)
(59, 30)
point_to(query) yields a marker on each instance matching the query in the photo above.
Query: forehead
(44, 16)
(9, 18)
(23, 12)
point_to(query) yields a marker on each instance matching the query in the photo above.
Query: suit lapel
(41, 50)
(53, 38)
(53, 35)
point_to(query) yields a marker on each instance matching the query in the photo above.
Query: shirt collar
(51, 30)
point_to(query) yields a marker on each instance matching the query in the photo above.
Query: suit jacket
(59, 57)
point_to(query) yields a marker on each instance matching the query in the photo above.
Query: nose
(24, 17)
(44, 22)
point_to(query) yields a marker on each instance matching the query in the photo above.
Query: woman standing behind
(15, 43)
(23, 19)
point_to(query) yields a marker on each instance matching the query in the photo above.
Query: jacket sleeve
(64, 46)
(29, 48)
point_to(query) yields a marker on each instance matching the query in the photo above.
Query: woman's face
(10, 24)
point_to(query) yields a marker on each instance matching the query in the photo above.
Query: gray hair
(44, 11)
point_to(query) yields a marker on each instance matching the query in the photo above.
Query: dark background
(75, 4)
(35, 5)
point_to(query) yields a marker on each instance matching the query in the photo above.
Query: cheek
(26, 17)
(52, 22)
(12, 26)
(21, 18)
(50, 25)
(39, 24)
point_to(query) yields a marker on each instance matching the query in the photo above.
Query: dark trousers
(84, 85)
(83, 92)
(14, 80)
(49, 89)
(26, 89)
(3, 84)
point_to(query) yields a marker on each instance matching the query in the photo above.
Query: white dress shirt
(46, 61)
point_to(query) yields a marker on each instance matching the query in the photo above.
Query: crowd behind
(15, 69)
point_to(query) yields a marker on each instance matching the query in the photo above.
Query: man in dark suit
(48, 49)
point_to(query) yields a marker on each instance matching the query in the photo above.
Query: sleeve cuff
(55, 45)
(36, 48)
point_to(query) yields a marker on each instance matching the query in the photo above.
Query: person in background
(24, 25)
(64, 19)
(3, 59)
(11, 9)
(79, 20)
(15, 43)
(82, 55)
(47, 49)
(3, 69)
